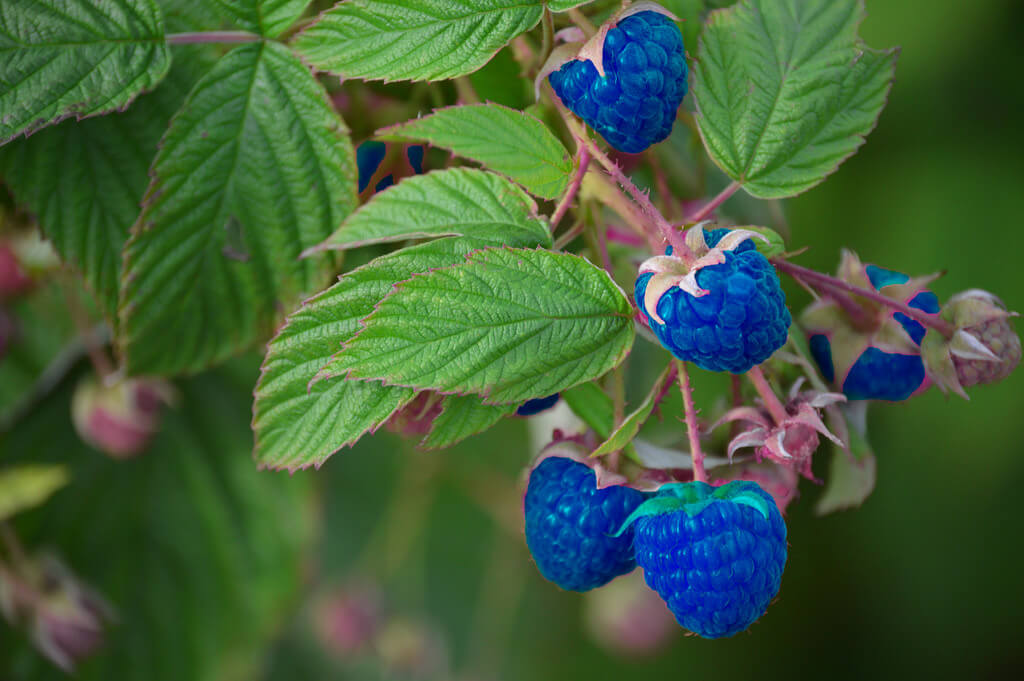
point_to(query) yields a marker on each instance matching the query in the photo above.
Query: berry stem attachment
(586, 25)
(582, 164)
(768, 396)
(932, 321)
(690, 413)
(211, 37)
(712, 205)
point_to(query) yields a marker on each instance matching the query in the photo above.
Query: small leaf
(257, 160)
(299, 422)
(27, 486)
(565, 5)
(453, 202)
(75, 58)
(507, 141)
(851, 476)
(461, 417)
(593, 406)
(786, 91)
(510, 324)
(413, 39)
(631, 425)
(84, 180)
(266, 17)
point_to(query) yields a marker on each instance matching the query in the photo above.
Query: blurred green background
(215, 558)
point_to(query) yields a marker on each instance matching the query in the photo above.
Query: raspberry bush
(438, 217)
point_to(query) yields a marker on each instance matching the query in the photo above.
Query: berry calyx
(724, 312)
(570, 524)
(714, 554)
(628, 81)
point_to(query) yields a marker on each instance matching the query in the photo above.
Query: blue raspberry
(880, 375)
(634, 105)
(369, 156)
(714, 554)
(738, 325)
(536, 406)
(570, 525)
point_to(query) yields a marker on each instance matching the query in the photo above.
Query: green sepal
(693, 497)
(775, 244)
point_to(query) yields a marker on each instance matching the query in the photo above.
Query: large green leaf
(255, 169)
(510, 142)
(453, 202)
(61, 58)
(299, 422)
(84, 180)
(266, 17)
(510, 324)
(199, 553)
(786, 91)
(413, 39)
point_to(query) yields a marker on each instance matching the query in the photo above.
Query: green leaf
(510, 324)
(565, 5)
(255, 169)
(631, 425)
(453, 202)
(27, 486)
(300, 423)
(413, 39)
(84, 180)
(851, 475)
(75, 58)
(507, 141)
(786, 91)
(461, 417)
(266, 17)
(593, 406)
(199, 553)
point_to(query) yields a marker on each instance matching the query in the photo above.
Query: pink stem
(619, 237)
(932, 321)
(690, 412)
(768, 396)
(210, 37)
(583, 162)
(712, 205)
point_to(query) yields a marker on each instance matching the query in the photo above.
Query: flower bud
(118, 419)
(627, 618)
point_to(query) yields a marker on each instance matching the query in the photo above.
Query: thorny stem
(712, 205)
(610, 196)
(690, 412)
(668, 233)
(768, 396)
(548, 39)
(583, 163)
(211, 37)
(932, 321)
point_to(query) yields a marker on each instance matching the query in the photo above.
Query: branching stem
(712, 205)
(582, 164)
(932, 321)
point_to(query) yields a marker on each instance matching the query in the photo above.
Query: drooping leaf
(630, 426)
(299, 422)
(413, 39)
(462, 416)
(786, 91)
(197, 551)
(26, 486)
(593, 406)
(509, 324)
(852, 471)
(453, 202)
(255, 169)
(84, 180)
(61, 58)
(507, 141)
(266, 17)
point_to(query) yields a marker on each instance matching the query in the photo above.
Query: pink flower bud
(627, 618)
(119, 419)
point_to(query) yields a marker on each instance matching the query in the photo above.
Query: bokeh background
(221, 572)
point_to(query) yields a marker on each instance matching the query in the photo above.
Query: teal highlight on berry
(634, 105)
(571, 525)
(740, 323)
(715, 555)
